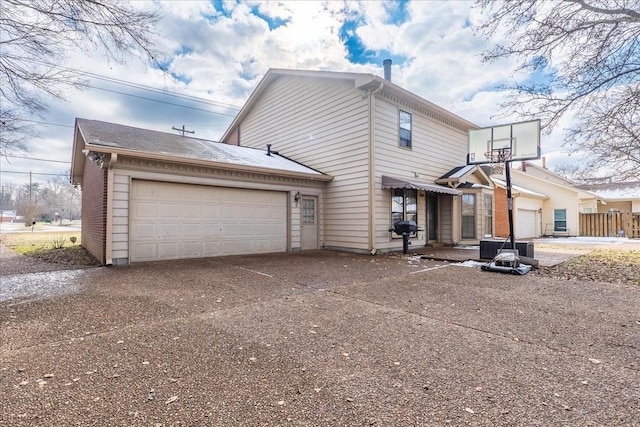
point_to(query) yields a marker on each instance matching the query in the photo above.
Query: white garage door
(170, 221)
(526, 224)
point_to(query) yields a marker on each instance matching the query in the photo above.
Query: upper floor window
(405, 129)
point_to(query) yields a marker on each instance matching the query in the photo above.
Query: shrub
(57, 242)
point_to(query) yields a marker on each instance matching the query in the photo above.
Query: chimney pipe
(523, 168)
(268, 149)
(544, 163)
(387, 69)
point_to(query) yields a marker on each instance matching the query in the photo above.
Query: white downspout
(372, 172)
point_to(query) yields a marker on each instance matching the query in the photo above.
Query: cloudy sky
(218, 51)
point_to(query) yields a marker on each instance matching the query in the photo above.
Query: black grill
(405, 227)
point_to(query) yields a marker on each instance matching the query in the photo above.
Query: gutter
(208, 163)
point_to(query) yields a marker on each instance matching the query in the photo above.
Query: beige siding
(324, 124)
(436, 146)
(560, 197)
(545, 175)
(436, 149)
(445, 218)
(129, 169)
(621, 206)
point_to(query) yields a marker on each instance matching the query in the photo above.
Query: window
(468, 216)
(308, 211)
(404, 205)
(488, 215)
(405, 129)
(560, 220)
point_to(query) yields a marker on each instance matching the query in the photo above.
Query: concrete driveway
(320, 339)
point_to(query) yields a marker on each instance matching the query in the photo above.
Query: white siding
(324, 124)
(120, 212)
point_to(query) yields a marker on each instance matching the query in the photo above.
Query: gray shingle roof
(116, 136)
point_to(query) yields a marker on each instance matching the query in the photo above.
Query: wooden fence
(610, 224)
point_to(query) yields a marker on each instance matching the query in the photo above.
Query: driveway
(319, 339)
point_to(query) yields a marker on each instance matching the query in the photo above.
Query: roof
(459, 171)
(392, 182)
(615, 191)
(459, 177)
(519, 189)
(361, 81)
(108, 137)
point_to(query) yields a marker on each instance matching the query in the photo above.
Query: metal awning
(391, 182)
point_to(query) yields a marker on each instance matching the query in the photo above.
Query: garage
(526, 224)
(174, 220)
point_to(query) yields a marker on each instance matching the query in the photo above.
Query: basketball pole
(507, 171)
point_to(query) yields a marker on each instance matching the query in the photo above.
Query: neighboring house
(544, 203)
(385, 148)
(150, 195)
(8, 216)
(620, 196)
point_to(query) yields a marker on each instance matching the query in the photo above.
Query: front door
(309, 223)
(432, 217)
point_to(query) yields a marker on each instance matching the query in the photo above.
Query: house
(619, 196)
(314, 159)
(544, 203)
(150, 195)
(385, 148)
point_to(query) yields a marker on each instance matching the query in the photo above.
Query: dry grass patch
(602, 265)
(26, 242)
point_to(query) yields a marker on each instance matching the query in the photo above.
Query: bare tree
(584, 59)
(574, 172)
(35, 37)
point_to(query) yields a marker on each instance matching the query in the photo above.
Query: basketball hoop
(497, 158)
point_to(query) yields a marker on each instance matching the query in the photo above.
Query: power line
(42, 123)
(137, 85)
(160, 101)
(36, 173)
(35, 158)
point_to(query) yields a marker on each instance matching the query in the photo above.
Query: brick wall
(94, 210)
(501, 216)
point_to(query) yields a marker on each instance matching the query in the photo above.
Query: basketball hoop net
(497, 159)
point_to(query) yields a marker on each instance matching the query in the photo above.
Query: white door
(309, 223)
(171, 221)
(526, 224)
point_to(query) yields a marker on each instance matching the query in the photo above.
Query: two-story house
(313, 160)
(384, 146)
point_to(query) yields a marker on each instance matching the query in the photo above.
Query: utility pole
(183, 130)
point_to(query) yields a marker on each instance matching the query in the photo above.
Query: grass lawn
(26, 242)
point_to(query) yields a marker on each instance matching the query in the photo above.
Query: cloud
(218, 51)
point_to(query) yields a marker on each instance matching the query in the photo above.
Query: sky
(217, 52)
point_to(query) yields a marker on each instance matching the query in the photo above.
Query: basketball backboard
(498, 144)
